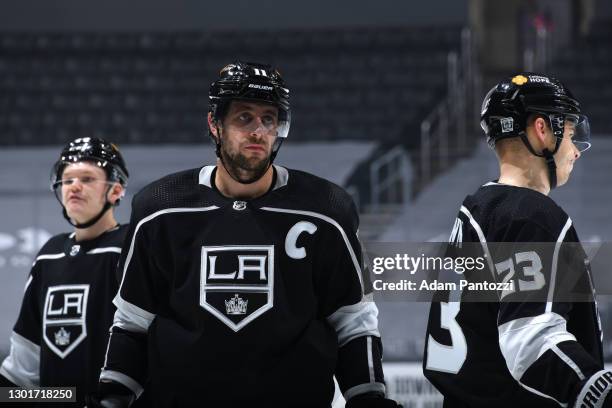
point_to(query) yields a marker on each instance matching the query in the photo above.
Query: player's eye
(87, 179)
(268, 120)
(245, 118)
(67, 182)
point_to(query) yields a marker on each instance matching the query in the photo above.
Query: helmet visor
(246, 119)
(578, 129)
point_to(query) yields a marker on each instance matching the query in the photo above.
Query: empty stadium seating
(359, 83)
(585, 68)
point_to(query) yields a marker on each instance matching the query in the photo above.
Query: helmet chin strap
(107, 206)
(551, 165)
(218, 143)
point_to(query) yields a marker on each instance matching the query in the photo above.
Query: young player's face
(248, 134)
(84, 187)
(567, 154)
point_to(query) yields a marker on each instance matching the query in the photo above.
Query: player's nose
(259, 129)
(577, 153)
(75, 185)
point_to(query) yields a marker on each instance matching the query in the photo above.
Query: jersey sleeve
(541, 354)
(22, 365)
(136, 303)
(345, 296)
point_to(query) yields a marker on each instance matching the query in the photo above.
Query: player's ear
(541, 131)
(116, 193)
(212, 125)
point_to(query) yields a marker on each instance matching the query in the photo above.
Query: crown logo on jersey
(236, 305)
(239, 205)
(62, 337)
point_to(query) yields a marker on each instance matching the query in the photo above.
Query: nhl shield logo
(64, 317)
(237, 282)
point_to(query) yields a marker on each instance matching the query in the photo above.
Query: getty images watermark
(513, 272)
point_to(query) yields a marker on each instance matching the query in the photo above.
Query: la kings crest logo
(64, 317)
(237, 282)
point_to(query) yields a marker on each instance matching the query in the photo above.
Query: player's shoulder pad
(501, 208)
(173, 190)
(116, 236)
(538, 209)
(313, 193)
(54, 245)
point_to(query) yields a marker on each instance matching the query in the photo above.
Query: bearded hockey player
(243, 282)
(536, 347)
(61, 333)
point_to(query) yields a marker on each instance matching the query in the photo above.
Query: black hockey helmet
(99, 152)
(253, 82)
(508, 105)
(96, 150)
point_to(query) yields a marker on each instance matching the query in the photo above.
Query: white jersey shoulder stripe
(48, 256)
(103, 250)
(28, 282)
(555, 261)
(332, 222)
(481, 238)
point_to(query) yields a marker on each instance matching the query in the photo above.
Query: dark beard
(243, 170)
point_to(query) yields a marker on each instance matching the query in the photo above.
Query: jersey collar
(282, 176)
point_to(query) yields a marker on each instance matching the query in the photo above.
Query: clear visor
(83, 181)
(283, 127)
(263, 122)
(266, 125)
(578, 129)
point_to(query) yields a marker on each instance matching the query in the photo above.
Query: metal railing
(390, 179)
(439, 149)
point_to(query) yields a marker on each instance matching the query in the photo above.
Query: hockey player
(61, 333)
(243, 282)
(536, 346)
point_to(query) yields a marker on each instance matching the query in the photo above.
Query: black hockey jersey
(228, 302)
(63, 326)
(533, 352)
